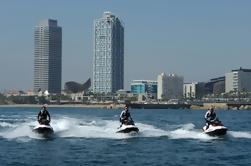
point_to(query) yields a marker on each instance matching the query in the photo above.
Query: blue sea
(88, 137)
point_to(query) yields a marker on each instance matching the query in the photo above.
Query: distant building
(148, 88)
(171, 86)
(218, 85)
(162, 87)
(194, 90)
(48, 57)
(108, 59)
(238, 81)
(74, 87)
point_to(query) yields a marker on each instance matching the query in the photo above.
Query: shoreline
(114, 106)
(103, 106)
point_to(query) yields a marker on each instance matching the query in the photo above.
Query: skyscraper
(108, 59)
(48, 57)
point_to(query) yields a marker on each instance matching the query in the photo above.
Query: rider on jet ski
(125, 116)
(43, 114)
(210, 116)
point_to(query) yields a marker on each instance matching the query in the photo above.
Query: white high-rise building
(108, 58)
(238, 81)
(48, 57)
(170, 87)
(162, 86)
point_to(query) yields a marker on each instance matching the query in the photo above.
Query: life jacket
(210, 116)
(43, 114)
(125, 115)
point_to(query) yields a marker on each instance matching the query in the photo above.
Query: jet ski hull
(215, 130)
(44, 130)
(128, 129)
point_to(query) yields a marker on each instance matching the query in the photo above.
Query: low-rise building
(194, 90)
(148, 88)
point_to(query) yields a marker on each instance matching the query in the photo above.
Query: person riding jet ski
(127, 125)
(210, 117)
(43, 115)
(125, 116)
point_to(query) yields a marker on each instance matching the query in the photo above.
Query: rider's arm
(206, 115)
(38, 116)
(130, 116)
(49, 116)
(121, 115)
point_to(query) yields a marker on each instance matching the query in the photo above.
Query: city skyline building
(238, 81)
(174, 89)
(194, 90)
(48, 57)
(162, 87)
(148, 88)
(108, 58)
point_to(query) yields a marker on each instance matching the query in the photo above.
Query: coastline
(205, 106)
(100, 106)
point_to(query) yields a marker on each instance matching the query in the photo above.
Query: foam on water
(21, 130)
(80, 128)
(6, 124)
(240, 134)
(188, 131)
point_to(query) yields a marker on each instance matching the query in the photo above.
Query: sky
(197, 39)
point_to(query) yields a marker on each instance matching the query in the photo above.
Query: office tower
(48, 57)
(108, 58)
(238, 81)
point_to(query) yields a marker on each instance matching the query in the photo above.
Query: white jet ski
(128, 127)
(215, 129)
(43, 129)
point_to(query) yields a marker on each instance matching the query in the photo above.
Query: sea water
(88, 137)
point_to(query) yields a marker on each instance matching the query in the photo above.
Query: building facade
(173, 86)
(162, 87)
(218, 85)
(108, 59)
(194, 90)
(238, 80)
(48, 57)
(148, 88)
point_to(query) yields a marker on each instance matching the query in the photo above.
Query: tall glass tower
(108, 59)
(48, 57)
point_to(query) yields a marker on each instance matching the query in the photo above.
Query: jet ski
(44, 129)
(216, 128)
(128, 127)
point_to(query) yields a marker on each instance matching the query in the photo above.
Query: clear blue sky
(197, 39)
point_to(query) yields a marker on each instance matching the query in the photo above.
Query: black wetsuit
(42, 117)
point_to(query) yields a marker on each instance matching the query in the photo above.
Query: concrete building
(162, 87)
(48, 57)
(194, 90)
(148, 88)
(218, 85)
(108, 58)
(171, 86)
(238, 81)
